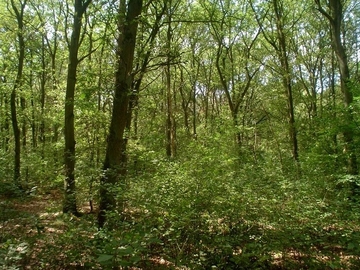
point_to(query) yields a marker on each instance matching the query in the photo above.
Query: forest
(179, 134)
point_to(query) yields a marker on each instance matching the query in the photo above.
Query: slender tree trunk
(224, 83)
(24, 126)
(279, 44)
(52, 46)
(69, 204)
(208, 92)
(33, 123)
(42, 98)
(113, 165)
(18, 82)
(193, 94)
(283, 55)
(332, 97)
(194, 108)
(170, 120)
(6, 122)
(184, 103)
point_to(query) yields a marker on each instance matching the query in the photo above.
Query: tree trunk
(286, 78)
(194, 104)
(193, 90)
(184, 103)
(170, 120)
(335, 17)
(42, 98)
(6, 123)
(69, 204)
(113, 167)
(136, 83)
(18, 82)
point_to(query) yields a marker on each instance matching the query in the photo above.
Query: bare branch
(87, 55)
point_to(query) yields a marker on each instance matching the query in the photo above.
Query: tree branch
(323, 12)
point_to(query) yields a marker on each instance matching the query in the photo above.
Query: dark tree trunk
(136, 83)
(170, 128)
(113, 165)
(18, 82)
(335, 18)
(69, 204)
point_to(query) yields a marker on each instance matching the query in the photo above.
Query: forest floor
(32, 231)
(29, 228)
(34, 234)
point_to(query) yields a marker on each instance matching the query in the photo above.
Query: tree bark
(69, 204)
(18, 82)
(136, 82)
(113, 167)
(170, 120)
(42, 98)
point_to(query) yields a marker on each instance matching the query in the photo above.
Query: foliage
(232, 197)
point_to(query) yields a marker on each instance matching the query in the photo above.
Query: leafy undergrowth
(208, 214)
(207, 234)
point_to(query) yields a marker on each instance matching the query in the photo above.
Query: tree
(69, 206)
(170, 119)
(145, 49)
(233, 64)
(277, 37)
(19, 14)
(49, 18)
(113, 166)
(334, 14)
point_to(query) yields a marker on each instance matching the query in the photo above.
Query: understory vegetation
(202, 211)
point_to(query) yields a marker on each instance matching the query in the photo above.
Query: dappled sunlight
(169, 135)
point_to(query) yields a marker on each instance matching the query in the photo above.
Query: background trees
(335, 15)
(186, 112)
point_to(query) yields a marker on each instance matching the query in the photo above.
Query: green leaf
(352, 245)
(104, 258)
